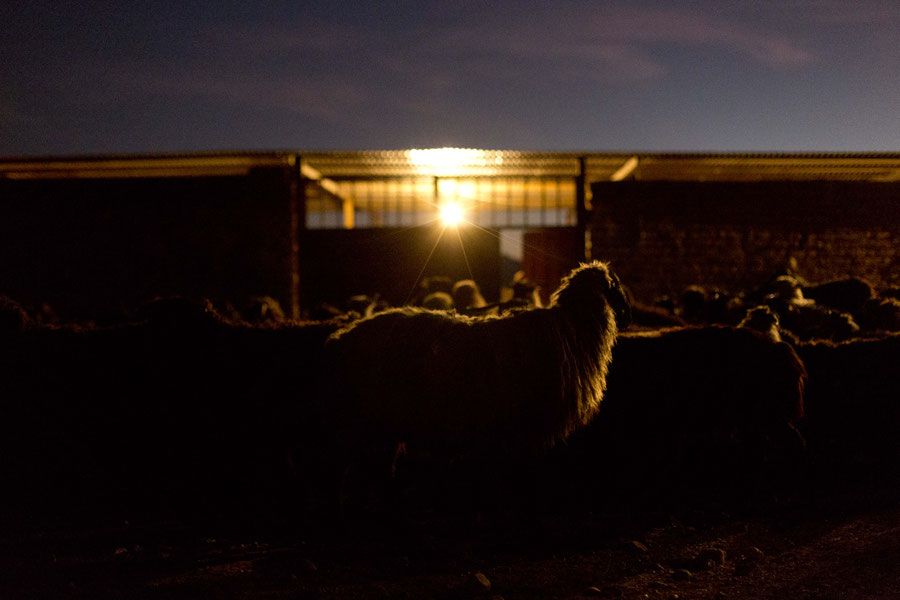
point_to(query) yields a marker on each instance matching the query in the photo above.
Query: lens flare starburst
(451, 214)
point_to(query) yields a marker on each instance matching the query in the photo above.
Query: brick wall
(661, 236)
(95, 249)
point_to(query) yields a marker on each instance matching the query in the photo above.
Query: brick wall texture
(662, 236)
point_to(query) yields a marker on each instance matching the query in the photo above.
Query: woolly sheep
(525, 380)
(698, 408)
(853, 417)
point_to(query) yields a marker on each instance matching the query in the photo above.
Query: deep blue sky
(123, 76)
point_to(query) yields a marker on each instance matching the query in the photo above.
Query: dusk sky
(112, 77)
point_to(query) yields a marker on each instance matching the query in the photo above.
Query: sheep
(524, 290)
(179, 408)
(764, 320)
(815, 322)
(853, 421)
(364, 305)
(491, 385)
(13, 318)
(709, 409)
(804, 318)
(230, 397)
(467, 296)
(703, 305)
(438, 301)
(880, 314)
(430, 285)
(264, 309)
(649, 316)
(844, 295)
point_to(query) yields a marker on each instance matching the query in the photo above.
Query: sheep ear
(618, 299)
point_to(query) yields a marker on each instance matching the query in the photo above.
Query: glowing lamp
(451, 214)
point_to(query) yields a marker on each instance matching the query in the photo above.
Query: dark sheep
(653, 317)
(467, 296)
(522, 381)
(764, 320)
(179, 414)
(803, 317)
(264, 309)
(880, 314)
(811, 321)
(698, 409)
(438, 301)
(853, 424)
(364, 305)
(431, 285)
(844, 295)
(525, 291)
(13, 318)
(477, 391)
(702, 305)
(452, 385)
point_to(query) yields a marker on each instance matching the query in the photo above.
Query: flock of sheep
(184, 412)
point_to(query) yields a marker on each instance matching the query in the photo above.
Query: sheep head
(593, 284)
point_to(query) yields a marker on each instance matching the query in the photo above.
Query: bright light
(443, 158)
(453, 161)
(451, 214)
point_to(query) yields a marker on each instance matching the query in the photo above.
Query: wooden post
(582, 213)
(297, 203)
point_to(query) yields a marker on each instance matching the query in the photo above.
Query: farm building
(96, 236)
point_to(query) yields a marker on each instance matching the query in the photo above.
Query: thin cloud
(620, 39)
(704, 30)
(346, 74)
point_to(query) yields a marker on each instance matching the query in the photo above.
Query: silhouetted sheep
(853, 413)
(698, 408)
(764, 320)
(526, 291)
(803, 317)
(264, 309)
(179, 409)
(880, 314)
(487, 386)
(13, 318)
(438, 301)
(466, 296)
(844, 295)
(364, 305)
(708, 305)
(430, 285)
(649, 316)
(522, 381)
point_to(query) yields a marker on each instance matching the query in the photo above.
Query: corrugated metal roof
(844, 167)
(604, 166)
(467, 162)
(138, 165)
(444, 162)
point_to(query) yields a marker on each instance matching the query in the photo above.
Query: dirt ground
(840, 546)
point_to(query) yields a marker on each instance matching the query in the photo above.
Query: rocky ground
(841, 545)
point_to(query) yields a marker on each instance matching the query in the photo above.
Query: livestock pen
(94, 236)
(171, 444)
